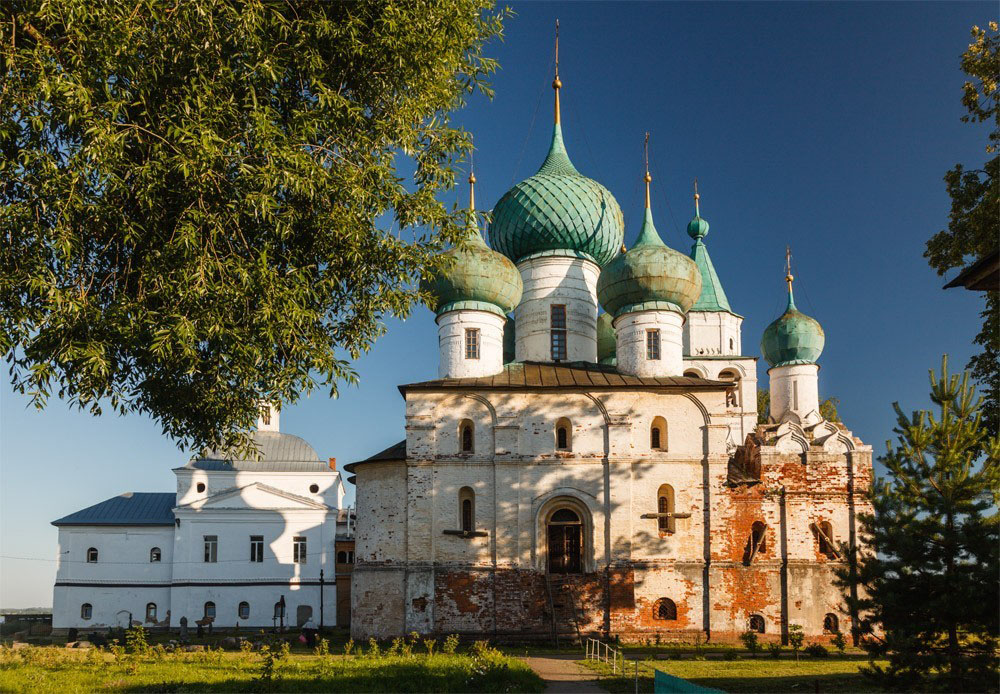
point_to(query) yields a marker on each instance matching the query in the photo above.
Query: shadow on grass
(397, 677)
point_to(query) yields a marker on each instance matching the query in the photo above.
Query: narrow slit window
(467, 434)
(653, 345)
(467, 509)
(658, 434)
(299, 550)
(211, 548)
(564, 435)
(756, 543)
(558, 332)
(665, 521)
(472, 343)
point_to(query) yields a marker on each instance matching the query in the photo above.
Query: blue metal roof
(130, 508)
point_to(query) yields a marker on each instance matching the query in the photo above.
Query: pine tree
(926, 589)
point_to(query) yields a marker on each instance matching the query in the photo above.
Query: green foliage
(927, 600)
(322, 648)
(135, 641)
(795, 637)
(373, 649)
(973, 224)
(450, 644)
(348, 647)
(774, 649)
(839, 642)
(751, 642)
(429, 645)
(816, 650)
(828, 409)
(268, 674)
(211, 203)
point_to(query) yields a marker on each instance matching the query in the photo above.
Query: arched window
(658, 434)
(209, 609)
(732, 396)
(732, 345)
(756, 543)
(467, 509)
(151, 612)
(665, 609)
(692, 374)
(564, 435)
(342, 557)
(824, 536)
(756, 623)
(665, 505)
(86, 611)
(279, 610)
(831, 625)
(466, 434)
(244, 610)
(154, 554)
(92, 555)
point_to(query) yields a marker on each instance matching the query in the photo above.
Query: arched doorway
(565, 542)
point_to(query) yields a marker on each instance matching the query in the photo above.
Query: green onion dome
(607, 346)
(480, 279)
(697, 228)
(794, 338)
(557, 212)
(649, 276)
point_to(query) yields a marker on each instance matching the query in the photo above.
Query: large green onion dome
(649, 276)
(480, 279)
(607, 346)
(794, 338)
(557, 212)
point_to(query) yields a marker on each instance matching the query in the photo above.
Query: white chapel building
(249, 543)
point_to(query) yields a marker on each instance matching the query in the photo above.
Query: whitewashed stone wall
(552, 280)
(713, 334)
(631, 343)
(451, 343)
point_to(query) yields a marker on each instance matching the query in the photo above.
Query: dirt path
(563, 676)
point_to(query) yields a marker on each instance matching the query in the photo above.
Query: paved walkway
(563, 676)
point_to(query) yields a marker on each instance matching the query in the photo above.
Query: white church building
(248, 543)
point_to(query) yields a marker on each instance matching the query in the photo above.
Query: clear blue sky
(826, 126)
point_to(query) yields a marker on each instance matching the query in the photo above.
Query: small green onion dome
(649, 276)
(607, 346)
(697, 228)
(557, 212)
(480, 279)
(794, 338)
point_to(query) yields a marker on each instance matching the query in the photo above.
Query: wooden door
(565, 549)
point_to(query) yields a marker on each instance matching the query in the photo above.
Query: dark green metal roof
(649, 276)
(480, 279)
(557, 211)
(794, 338)
(713, 297)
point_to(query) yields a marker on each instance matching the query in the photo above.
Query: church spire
(557, 83)
(789, 278)
(713, 297)
(648, 235)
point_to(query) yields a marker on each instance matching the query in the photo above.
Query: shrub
(322, 648)
(749, 639)
(268, 673)
(373, 649)
(481, 649)
(450, 644)
(348, 647)
(839, 642)
(795, 637)
(816, 650)
(135, 641)
(429, 645)
(730, 654)
(775, 649)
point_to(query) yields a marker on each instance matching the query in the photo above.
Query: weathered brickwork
(736, 547)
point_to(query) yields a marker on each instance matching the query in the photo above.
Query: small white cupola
(269, 418)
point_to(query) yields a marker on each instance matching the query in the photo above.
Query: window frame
(300, 550)
(665, 605)
(666, 502)
(257, 549)
(653, 351)
(93, 555)
(155, 555)
(558, 336)
(240, 611)
(209, 604)
(151, 613)
(467, 509)
(466, 428)
(829, 628)
(756, 618)
(86, 611)
(211, 545)
(473, 343)
(659, 424)
(565, 443)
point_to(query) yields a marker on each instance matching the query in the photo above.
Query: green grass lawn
(49, 669)
(761, 674)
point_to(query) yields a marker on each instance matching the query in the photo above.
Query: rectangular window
(558, 325)
(211, 548)
(299, 550)
(472, 343)
(653, 345)
(257, 548)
